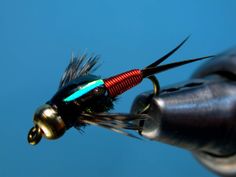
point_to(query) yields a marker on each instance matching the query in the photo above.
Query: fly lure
(85, 99)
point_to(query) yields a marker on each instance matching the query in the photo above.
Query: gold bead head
(48, 123)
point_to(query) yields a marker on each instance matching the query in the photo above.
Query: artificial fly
(85, 99)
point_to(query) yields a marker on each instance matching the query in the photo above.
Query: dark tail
(153, 70)
(160, 60)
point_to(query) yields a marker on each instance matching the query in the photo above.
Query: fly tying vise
(85, 99)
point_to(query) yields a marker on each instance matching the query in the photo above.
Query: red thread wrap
(120, 83)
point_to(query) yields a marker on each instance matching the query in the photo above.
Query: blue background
(36, 41)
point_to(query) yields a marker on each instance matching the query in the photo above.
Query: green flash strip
(84, 89)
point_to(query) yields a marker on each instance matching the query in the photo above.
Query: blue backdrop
(36, 41)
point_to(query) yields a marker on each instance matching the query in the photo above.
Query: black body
(96, 101)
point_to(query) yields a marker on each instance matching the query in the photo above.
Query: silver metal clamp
(198, 115)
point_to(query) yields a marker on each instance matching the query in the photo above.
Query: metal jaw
(198, 115)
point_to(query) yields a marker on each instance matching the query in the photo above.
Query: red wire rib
(123, 82)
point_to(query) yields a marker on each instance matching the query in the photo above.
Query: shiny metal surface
(47, 124)
(34, 135)
(198, 115)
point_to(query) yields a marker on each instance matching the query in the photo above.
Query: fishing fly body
(85, 99)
